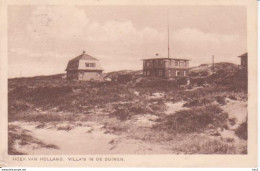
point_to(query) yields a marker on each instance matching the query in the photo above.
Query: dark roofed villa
(165, 67)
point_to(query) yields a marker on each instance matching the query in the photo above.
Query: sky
(42, 39)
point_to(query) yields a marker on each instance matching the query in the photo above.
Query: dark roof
(83, 56)
(166, 59)
(243, 55)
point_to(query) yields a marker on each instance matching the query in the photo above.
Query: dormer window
(90, 64)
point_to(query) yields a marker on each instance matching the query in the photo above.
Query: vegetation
(194, 120)
(23, 137)
(241, 131)
(118, 103)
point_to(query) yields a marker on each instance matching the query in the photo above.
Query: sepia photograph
(128, 80)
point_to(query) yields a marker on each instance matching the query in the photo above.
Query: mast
(213, 63)
(168, 35)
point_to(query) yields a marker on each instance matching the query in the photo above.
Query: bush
(157, 83)
(197, 102)
(182, 81)
(220, 100)
(206, 145)
(232, 97)
(127, 110)
(122, 114)
(241, 131)
(157, 105)
(194, 120)
(124, 78)
(199, 81)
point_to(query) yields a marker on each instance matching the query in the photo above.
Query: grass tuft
(194, 120)
(241, 131)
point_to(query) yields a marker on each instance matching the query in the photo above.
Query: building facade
(243, 58)
(165, 67)
(84, 67)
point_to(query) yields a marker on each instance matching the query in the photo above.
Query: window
(160, 72)
(173, 62)
(169, 73)
(181, 64)
(90, 64)
(184, 73)
(148, 73)
(187, 64)
(147, 64)
(154, 63)
(178, 73)
(176, 63)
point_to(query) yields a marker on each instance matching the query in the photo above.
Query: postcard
(100, 83)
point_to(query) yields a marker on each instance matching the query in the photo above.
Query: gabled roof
(243, 55)
(166, 59)
(83, 56)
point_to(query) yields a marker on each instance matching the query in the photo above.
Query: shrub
(197, 102)
(232, 97)
(124, 78)
(194, 120)
(43, 118)
(122, 114)
(182, 81)
(127, 110)
(241, 131)
(220, 100)
(198, 81)
(206, 145)
(157, 105)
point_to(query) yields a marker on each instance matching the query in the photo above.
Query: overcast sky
(41, 39)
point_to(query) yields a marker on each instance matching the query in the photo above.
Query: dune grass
(194, 120)
(23, 138)
(52, 99)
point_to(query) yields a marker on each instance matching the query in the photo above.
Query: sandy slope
(87, 137)
(90, 138)
(236, 110)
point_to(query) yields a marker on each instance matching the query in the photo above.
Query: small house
(243, 58)
(84, 67)
(204, 66)
(165, 67)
